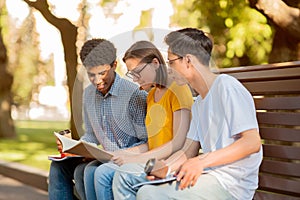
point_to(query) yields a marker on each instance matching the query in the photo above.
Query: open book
(83, 148)
(168, 179)
(62, 157)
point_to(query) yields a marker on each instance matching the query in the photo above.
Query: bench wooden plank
(280, 134)
(263, 195)
(245, 69)
(282, 168)
(281, 151)
(267, 74)
(280, 185)
(279, 118)
(277, 103)
(291, 86)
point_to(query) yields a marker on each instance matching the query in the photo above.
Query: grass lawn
(34, 142)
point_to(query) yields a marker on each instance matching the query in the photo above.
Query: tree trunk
(68, 33)
(286, 22)
(7, 128)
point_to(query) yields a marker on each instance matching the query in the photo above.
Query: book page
(67, 143)
(58, 158)
(169, 178)
(89, 150)
(83, 148)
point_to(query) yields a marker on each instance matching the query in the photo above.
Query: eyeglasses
(135, 74)
(170, 62)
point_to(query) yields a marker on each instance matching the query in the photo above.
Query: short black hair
(97, 52)
(190, 41)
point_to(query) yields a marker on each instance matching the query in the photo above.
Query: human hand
(59, 148)
(59, 145)
(189, 172)
(122, 159)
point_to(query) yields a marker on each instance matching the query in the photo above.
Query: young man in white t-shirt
(223, 125)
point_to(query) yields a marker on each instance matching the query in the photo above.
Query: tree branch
(43, 6)
(284, 16)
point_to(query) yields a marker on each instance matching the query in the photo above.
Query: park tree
(241, 35)
(7, 129)
(68, 33)
(285, 19)
(24, 61)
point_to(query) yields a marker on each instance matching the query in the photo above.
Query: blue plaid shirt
(116, 120)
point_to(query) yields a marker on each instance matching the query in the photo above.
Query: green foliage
(4, 22)
(241, 35)
(183, 15)
(34, 143)
(28, 70)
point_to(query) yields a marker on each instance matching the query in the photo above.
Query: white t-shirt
(227, 110)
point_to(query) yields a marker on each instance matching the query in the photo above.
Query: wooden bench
(276, 92)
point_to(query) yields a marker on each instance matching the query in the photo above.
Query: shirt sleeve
(182, 97)
(138, 109)
(240, 111)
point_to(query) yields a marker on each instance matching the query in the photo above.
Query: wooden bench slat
(278, 103)
(267, 74)
(279, 118)
(281, 151)
(282, 168)
(277, 184)
(274, 87)
(280, 134)
(262, 195)
(245, 69)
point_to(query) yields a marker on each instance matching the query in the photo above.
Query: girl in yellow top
(168, 105)
(167, 119)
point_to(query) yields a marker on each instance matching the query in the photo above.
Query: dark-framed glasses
(170, 62)
(135, 74)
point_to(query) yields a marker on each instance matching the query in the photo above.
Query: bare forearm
(191, 149)
(161, 152)
(137, 149)
(249, 143)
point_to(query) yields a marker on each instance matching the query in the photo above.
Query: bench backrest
(276, 92)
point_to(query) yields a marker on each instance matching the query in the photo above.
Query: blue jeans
(127, 176)
(98, 180)
(61, 179)
(79, 182)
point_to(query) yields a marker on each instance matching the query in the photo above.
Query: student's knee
(104, 174)
(79, 171)
(119, 178)
(54, 167)
(146, 192)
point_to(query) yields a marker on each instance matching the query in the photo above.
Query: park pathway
(15, 190)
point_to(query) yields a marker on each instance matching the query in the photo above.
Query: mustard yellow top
(159, 118)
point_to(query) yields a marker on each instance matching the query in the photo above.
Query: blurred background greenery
(34, 142)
